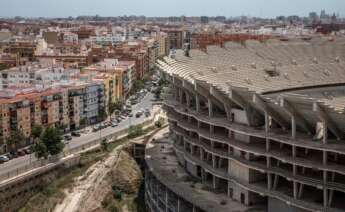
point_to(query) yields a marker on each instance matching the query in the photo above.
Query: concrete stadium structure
(262, 124)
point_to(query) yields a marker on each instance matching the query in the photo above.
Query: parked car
(95, 128)
(9, 156)
(68, 137)
(14, 154)
(75, 134)
(114, 124)
(138, 114)
(27, 150)
(21, 152)
(3, 159)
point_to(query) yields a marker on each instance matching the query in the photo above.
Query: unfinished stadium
(259, 125)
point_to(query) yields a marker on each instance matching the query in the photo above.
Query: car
(138, 114)
(3, 158)
(9, 156)
(27, 150)
(130, 115)
(102, 125)
(107, 124)
(14, 154)
(67, 137)
(75, 134)
(114, 124)
(21, 153)
(95, 128)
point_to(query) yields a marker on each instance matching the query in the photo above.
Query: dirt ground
(95, 185)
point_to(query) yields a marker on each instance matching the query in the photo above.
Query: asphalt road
(88, 137)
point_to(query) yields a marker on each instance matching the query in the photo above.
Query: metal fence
(53, 159)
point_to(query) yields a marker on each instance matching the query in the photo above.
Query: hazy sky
(262, 8)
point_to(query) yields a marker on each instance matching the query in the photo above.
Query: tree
(52, 139)
(138, 85)
(114, 106)
(102, 114)
(135, 131)
(83, 122)
(16, 140)
(104, 145)
(36, 131)
(40, 149)
(159, 123)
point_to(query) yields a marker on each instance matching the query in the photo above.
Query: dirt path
(87, 183)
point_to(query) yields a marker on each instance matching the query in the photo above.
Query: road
(86, 138)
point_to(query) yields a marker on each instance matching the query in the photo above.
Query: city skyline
(256, 8)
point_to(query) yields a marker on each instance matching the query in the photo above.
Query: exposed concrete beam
(221, 97)
(323, 116)
(228, 104)
(206, 93)
(187, 86)
(266, 108)
(298, 117)
(235, 97)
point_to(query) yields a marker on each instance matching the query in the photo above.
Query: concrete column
(192, 149)
(198, 124)
(269, 181)
(293, 127)
(228, 112)
(210, 108)
(324, 158)
(197, 103)
(166, 200)
(325, 197)
(211, 129)
(215, 182)
(214, 161)
(294, 170)
(268, 145)
(267, 127)
(181, 95)
(330, 197)
(212, 144)
(325, 132)
(203, 176)
(268, 163)
(220, 162)
(188, 99)
(300, 191)
(275, 183)
(194, 208)
(178, 205)
(201, 154)
(295, 189)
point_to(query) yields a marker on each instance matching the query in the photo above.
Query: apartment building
(36, 74)
(164, 45)
(65, 106)
(260, 125)
(175, 36)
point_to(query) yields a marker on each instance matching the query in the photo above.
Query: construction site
(258, 124)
